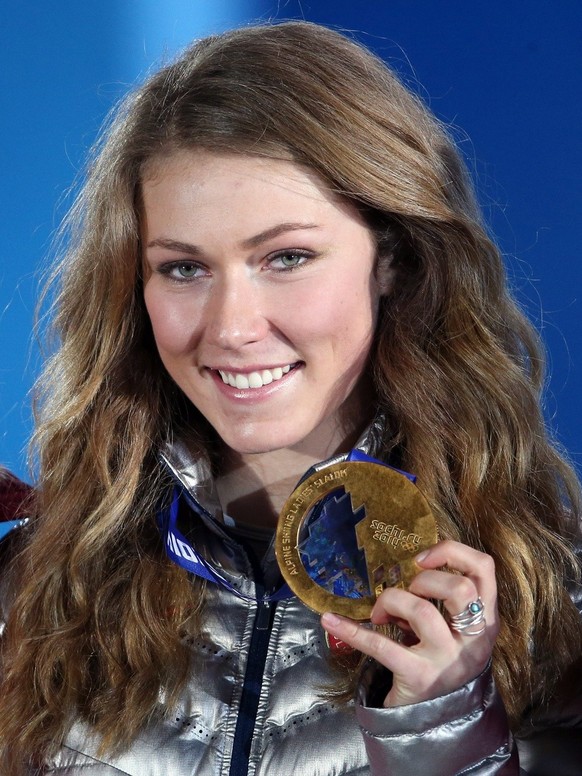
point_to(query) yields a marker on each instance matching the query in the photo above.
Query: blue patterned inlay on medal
(348, 531)
(330, 552)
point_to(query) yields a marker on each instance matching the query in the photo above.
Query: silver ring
(471, 621)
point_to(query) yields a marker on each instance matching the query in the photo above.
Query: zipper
(249, 702)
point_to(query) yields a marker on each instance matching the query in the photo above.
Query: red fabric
(337, 645)
(13, 494)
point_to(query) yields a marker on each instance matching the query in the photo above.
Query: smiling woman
(238, 252)
(277, 273)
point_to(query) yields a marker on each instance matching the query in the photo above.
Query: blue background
(505, 74)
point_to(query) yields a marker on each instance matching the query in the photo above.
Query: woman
(277, 257)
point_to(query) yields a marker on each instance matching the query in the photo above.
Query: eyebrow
(251, 242)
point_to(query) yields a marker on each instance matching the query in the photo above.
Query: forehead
(200, 169)
(201, 182)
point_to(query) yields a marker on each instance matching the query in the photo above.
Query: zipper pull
(263, 618)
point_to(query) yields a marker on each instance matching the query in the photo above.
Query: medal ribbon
(181, 551)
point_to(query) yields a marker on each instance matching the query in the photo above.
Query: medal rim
(307, 589)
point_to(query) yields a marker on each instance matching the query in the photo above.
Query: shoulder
(15, 506)
(15, 496)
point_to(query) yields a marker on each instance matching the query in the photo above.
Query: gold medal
(349, 531)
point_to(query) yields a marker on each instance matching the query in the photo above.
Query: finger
(459, 595)
(421, 615)
(404, 625)
(477, 566)
(479, 570)
(362, 638)
(454, 590)
(398, 658)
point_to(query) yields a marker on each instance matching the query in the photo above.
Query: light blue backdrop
(504, 73)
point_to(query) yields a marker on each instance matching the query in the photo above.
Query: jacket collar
(195, 474)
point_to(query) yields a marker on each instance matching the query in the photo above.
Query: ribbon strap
(181, 551)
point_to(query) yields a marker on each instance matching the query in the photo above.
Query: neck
(253, 487)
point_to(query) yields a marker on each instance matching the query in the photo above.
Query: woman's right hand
(438, 659)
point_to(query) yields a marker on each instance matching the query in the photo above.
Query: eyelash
(170, 267)
(305, 255)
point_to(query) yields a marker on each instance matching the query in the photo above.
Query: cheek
(173, 326)
(350, 308)
(338, 313)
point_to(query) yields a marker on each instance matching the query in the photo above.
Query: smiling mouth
(246, 380)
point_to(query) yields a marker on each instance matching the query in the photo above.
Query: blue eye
(289, 260)
(181, 270)
(186, 270)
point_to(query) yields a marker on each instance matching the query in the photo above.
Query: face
(261, 290)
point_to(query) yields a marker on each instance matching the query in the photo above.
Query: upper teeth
(254, 379)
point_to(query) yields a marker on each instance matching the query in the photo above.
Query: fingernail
(421, 556)
(330, 620)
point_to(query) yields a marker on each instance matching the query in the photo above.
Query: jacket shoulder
(15, 496)
(15, 502)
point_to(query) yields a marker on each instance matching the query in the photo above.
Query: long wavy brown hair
(97, 611)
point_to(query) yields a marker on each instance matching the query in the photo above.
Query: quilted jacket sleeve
(465, 732)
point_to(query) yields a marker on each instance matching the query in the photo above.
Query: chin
(254, 447)
(254, 442)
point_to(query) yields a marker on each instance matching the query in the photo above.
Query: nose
(235, 314)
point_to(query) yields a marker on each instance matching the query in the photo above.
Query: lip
(250, 394)
(251, 367)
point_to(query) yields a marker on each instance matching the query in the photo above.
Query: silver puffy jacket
(254, 702)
